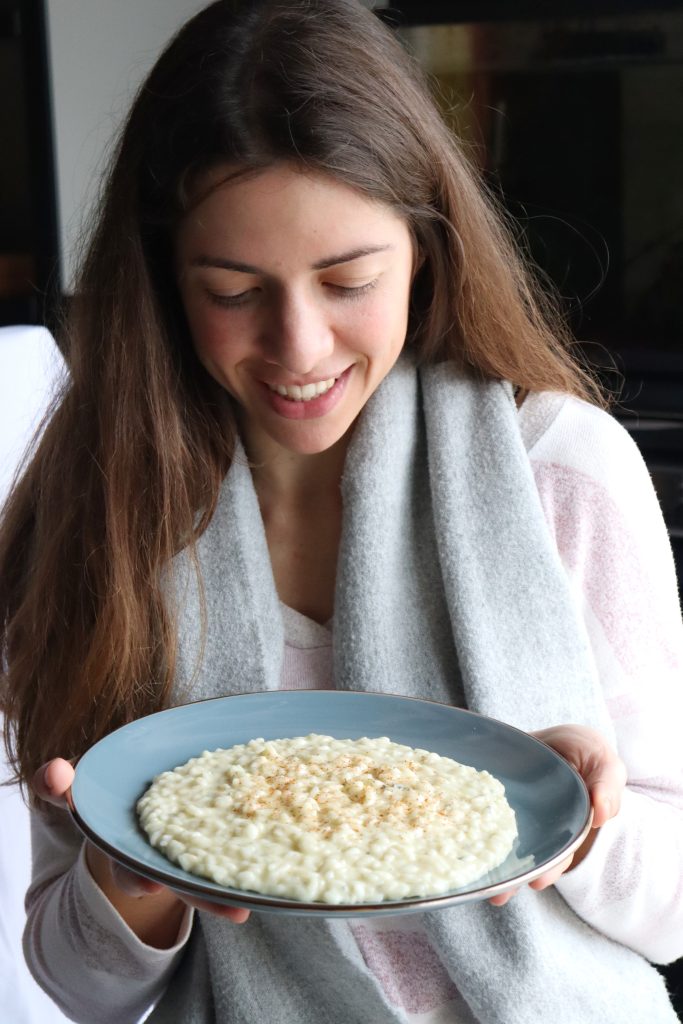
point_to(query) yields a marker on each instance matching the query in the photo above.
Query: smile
(304, 392)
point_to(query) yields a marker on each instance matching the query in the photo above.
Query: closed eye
(230, 301)
(350, 292)
(346, 292)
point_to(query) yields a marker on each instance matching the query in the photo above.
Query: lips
(306, 401)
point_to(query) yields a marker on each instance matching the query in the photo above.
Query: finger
(502, 898)
(238, 915)
(133, 884)
(549, 878)
(53, 780)
(137, 885)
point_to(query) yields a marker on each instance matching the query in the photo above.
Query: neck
(300, 500)
(292, 476)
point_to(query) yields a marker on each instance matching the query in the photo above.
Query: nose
(298, 335)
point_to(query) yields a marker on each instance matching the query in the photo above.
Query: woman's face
(296, 290)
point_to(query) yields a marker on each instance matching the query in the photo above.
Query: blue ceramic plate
(548, 797)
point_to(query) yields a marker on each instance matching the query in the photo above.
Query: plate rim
(226, 896)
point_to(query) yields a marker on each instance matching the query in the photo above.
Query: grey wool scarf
(449, 588)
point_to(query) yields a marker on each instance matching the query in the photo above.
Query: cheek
(384, 330)
(210, 338)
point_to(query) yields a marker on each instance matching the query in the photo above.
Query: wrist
(155, 918)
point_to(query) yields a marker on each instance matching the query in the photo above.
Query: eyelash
(349, 294)
(345, 293)
(229, 300)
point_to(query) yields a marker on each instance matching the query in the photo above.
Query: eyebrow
(324, 264)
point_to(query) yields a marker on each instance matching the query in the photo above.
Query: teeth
(296, 393)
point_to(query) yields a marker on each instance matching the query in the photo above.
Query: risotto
(319, 819)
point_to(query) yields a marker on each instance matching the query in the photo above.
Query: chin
(310, 441)
(304, 447)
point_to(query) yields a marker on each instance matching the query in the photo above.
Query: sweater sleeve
(78, 948)
(604, 515)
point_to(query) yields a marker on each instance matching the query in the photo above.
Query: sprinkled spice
(319, 819)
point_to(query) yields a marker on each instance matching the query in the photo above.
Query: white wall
(99, 50)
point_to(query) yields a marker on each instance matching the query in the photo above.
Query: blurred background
(573, 110)
(574, 113)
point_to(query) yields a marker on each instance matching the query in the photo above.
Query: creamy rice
(325, 820)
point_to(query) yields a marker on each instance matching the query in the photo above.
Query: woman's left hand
(604, 773)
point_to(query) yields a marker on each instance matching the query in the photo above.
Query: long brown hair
(129, 468)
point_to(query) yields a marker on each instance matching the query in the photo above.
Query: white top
(30, 366)
(605, 519)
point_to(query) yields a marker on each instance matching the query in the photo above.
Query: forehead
(283, 201)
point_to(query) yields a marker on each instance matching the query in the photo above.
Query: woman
(293, 353)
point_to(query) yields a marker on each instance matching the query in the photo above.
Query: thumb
(53, 780)
(605, 793)
(604, 774)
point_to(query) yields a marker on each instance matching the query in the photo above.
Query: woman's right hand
(153, 911)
